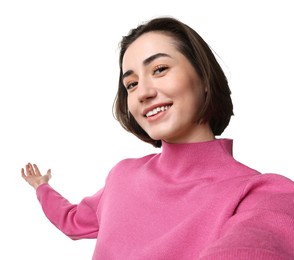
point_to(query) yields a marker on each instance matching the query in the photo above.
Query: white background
(58, 79)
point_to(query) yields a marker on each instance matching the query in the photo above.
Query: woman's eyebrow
(153, 57)
(146, 62)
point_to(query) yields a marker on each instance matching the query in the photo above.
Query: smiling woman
(183, 47)
(165, 93)
(192, 200)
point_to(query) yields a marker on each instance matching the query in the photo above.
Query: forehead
(146, 45)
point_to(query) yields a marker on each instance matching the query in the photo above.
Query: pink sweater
(191, 201)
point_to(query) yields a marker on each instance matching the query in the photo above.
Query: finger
(23, 173)
(37, 171)
(49, 174)
(28, 172)
(31, 169)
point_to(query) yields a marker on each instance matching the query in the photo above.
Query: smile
(157, 110)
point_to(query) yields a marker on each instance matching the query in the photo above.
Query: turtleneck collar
(202, 156)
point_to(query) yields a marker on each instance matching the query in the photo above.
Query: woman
(192, 200)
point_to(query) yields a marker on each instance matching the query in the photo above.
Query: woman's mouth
(157, 110)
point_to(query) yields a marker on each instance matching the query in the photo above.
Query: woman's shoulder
(135, 161)
(270, 181)
(269, 190)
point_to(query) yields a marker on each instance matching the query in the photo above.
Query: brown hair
(217, 108)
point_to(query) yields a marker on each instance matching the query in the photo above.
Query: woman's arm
(74, 220)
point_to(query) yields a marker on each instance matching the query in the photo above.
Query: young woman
(192, 200)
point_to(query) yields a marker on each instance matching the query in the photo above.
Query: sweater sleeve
(262, 226)
(74, 220)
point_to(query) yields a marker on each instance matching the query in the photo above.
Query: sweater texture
(190, 201)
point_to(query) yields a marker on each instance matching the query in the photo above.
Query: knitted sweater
(191, 201)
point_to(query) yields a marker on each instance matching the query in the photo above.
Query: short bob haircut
(217, 108)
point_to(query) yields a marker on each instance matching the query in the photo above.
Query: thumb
(49, 174)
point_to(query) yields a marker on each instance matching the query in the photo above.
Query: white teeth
(157, 110)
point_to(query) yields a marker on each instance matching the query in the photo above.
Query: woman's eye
(159, 69)
(131, 85)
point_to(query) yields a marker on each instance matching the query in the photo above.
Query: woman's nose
(146, 91)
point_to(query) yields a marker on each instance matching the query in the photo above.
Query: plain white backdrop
(58, 79)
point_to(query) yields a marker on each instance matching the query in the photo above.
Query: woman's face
(165, 93)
